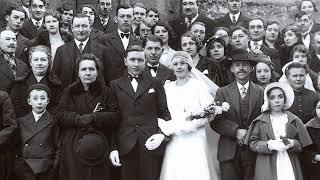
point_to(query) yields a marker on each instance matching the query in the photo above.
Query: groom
(245, 99)
(142, 101)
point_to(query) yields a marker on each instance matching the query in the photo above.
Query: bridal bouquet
(211, 110)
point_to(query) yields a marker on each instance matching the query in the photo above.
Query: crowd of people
(88, 96)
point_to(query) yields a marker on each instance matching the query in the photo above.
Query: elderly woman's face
(87, 71)
(180, 67)
(188, 45)
(290, 38)
(216, 50)
(276, 100)
(263, 73)
(39, 63)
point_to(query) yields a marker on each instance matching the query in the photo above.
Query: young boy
(38, 134)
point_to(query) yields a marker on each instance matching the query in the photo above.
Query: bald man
(10, 67)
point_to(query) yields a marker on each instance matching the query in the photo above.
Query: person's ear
(125, 61)
(7, 18)
(29, 101)
(48, 100)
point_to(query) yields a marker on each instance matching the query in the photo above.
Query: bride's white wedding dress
(187, 156)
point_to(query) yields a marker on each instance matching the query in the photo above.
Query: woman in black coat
(40, 63)
(87, 113)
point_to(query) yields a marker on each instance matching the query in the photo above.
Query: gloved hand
(154, 141)
(277, 145)
(167, 127)
(84, 120)
(114, 158)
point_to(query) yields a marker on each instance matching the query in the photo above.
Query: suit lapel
(32, 127)
(252, 98)
(268, 126)
(6, 70)
(116, 42)
(143, 85)
(234, 96)
(126, 86)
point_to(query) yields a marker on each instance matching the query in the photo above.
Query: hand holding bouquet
(211, 110)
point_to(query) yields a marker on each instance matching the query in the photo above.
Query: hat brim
(287, 89)
(230, 61)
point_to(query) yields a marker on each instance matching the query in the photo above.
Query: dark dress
(19, 92)
(74, 103)
(312, 167)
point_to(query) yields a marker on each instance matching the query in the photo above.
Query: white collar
(245, 85)
(157, 65)
(119, 32)
(318, 55)
(236, 15)
(259, 43)
(35, 21)
(193, 19)
(37, 116)
(83, 42)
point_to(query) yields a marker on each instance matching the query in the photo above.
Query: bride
(187, 156)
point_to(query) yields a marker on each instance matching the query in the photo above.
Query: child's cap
(39, 87)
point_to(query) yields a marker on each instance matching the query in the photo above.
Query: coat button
(26, 145)
(40, 144)
(137, 126)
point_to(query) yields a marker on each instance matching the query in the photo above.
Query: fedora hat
(241, 55)
(288, 91)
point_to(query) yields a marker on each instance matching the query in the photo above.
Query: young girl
(312, 153)
(277, 136)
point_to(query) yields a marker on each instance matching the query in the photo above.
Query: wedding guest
(87, 112)
(25, 4)
(104, 21)
(10, 67)
(310, 8)
(245, 99)
(304, 23)
(34, 25)
(179, 154)
(38, 147)
(40, 73)
(67, 13)
(265, 71)
(314, 63)
(165, 31)
(138, 146)
(272, 33)
(235, 16)
(190, 44)
(199, 29)
(277, 136)
(217, 53)
(7, 133)
(15, 17)
(89, 10)
(139, 13)
(291, 37)
(52, 36)
(239, 38)
(152, 16)
(144, 29)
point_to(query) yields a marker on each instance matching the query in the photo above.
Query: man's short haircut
(294, 65)
(258, 18)
(122, 6)
(64, 7)
(140, 5)
(134, 48)
(300, 14)
(152, 38)
(9, 10)
(271, 22)
(44, 2)
(88, 6)
(244, 30)
(221, 28)
(193, 38)
(80, 15)
(154, 10)
(198, 23)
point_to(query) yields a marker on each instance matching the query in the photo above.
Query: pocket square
(151, 90)
(205, 71)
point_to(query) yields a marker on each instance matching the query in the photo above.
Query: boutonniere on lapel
(151, 90)
(210, 111)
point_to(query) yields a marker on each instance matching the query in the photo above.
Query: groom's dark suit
(139, 113)
(236, 162)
